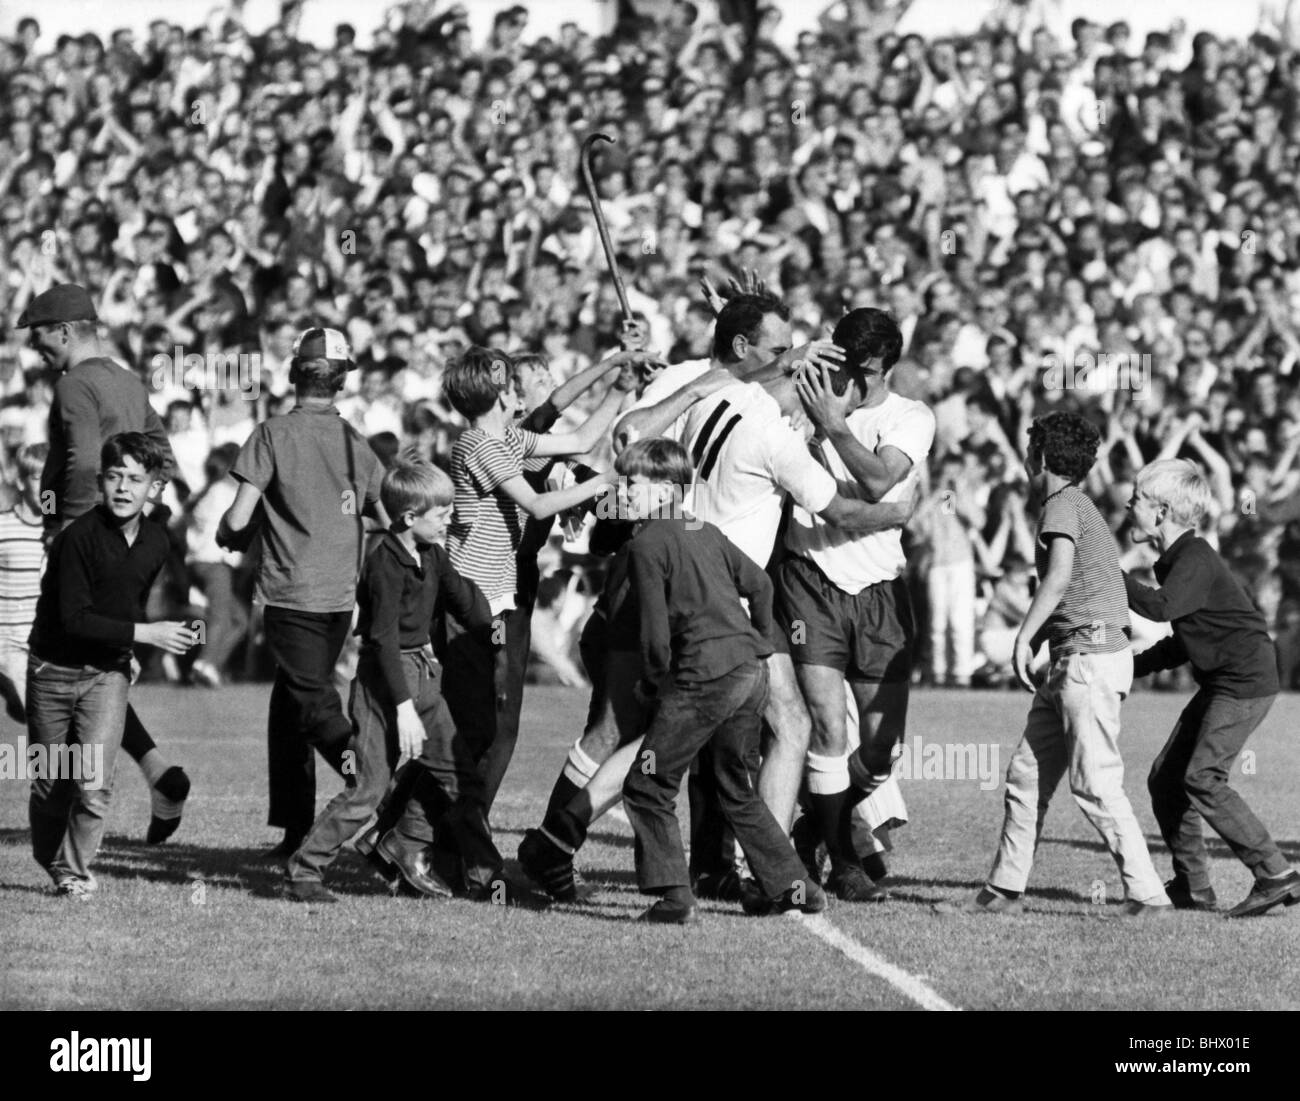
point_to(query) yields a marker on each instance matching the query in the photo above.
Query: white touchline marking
(904, 981)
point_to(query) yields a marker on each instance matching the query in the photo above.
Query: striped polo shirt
(486, 525)
(22, 560)
(1092, 617)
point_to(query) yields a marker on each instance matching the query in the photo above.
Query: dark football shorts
(869, 637)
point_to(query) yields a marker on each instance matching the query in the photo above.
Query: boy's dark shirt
(688, 583)
(1216, 627)
(401, 603)
(94, 591)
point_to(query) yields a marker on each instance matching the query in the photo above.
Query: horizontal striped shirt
(1092, 617)
(487, 526)
(22, 560)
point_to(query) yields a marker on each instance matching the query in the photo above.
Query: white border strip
(905, 982)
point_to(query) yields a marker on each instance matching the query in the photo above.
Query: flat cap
(63, 302)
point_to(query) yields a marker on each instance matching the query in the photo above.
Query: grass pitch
(197, 922)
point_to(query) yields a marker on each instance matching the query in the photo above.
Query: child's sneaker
(73, 887)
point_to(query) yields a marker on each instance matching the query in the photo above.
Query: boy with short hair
(703, 664)
(1223, 635)
(90, 612)
(485, 669)
(1074, 721)
(407, 584)
(312, 477)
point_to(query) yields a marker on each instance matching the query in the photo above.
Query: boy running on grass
(1220, 631)
(702, 664)
(89, 614)
(407, 584)
(1073, 723)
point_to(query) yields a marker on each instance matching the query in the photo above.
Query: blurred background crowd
(1019, 201)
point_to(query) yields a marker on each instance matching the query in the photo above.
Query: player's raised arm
(877, 472)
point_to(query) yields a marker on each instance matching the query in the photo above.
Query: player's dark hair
(468, 383)
(743, 316)
(1067, 443)
(134, 445)
(868, 334)
(659, 459)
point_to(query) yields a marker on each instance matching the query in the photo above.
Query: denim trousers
(66, 706)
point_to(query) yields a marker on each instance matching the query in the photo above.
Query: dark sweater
(402, 601)
(688, 578)
(94, 591)
(1216, 626)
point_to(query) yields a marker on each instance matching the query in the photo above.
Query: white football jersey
(747, 458)
(852, 562)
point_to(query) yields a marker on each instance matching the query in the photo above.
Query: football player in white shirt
(748, 459)
(841, 595)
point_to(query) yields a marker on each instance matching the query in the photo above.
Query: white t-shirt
(671, 379)
(747, 458)
(852, 561)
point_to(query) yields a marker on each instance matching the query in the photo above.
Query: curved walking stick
(589, 186)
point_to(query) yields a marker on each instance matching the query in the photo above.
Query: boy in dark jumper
(407, 584)
(1224, 636)
(702, 666)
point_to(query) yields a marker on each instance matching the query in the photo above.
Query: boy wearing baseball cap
(311, 476)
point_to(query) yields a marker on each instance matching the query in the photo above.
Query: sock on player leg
(576, 774)
(153, 764)
(828, 789)
(567, 826)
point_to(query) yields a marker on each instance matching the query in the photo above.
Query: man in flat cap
(95, 398)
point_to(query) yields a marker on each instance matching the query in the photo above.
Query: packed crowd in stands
(1020, 203)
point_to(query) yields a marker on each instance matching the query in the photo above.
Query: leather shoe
(666, 912)
(413, 866)
(308, 890)
(1184, 898)
(1268, 893)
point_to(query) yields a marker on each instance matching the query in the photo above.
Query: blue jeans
(67, 706)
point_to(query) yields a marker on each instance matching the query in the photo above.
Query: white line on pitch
(904, 981)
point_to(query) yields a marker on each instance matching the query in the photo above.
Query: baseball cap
(323, 344)
(63, 302)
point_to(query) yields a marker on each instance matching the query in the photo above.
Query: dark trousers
(305, 710)
(373, 753)
(726, 715)
(485, 671)
(1189, 781)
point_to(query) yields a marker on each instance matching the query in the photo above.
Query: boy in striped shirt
(22, 560)
(484, 671)
(1072, 729)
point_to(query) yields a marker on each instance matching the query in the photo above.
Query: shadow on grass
(1215, 845)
